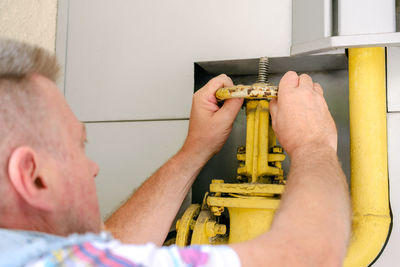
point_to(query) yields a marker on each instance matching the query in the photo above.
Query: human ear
(26, 178)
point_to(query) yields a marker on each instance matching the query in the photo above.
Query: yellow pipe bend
(368, 155)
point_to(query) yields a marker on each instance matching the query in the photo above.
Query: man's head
(46, 180)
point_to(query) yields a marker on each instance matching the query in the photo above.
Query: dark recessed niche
(330, 70)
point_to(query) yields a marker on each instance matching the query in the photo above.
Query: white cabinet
(365, 17)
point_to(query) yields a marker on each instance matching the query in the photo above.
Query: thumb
(215, 83)
(230, 109)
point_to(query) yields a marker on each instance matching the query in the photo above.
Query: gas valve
(236, 212)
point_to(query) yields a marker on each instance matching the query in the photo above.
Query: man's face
(76, 198)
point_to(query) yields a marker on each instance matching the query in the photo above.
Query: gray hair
(18, 59)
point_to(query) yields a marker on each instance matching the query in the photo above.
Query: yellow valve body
(247, 224)
(259, 141)
(252, 204)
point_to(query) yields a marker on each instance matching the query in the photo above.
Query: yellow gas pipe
(368, 155)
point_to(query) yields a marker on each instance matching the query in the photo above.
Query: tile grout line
(144, 120)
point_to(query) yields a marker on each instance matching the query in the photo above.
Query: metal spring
(263, 68)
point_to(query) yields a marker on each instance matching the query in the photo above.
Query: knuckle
(197, 96)
(308, 93)
(291, 73)
(318, 87)
(306, 76)
(216, 81)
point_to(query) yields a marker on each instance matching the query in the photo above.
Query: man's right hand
(311, 227)
(300, 115)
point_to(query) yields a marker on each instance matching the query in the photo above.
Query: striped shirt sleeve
(115, 254)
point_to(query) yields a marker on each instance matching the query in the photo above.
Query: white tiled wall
(134, 59)
(393, 79)
(128, 153)
(391, 256)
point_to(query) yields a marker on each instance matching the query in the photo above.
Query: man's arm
(148, 214)
(312, 225)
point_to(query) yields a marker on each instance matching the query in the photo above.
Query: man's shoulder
(18, 247)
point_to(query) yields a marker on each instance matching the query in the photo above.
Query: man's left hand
(210, 125)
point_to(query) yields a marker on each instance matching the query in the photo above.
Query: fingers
(318, 88)
(230, 109)
(273, 110)
(289, 80)
(306, 81)
(273, 107)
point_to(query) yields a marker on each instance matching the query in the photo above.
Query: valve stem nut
(217, 210)
(213, 228)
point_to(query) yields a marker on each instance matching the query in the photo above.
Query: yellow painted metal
(368, 152)
(207, 231)
(251, 205)
(254, 91)
(213, 229)
(247, 189)
(258, 144)
(185, 225)
(244, 202)
(199, 236)
(248, 223)
(276, 158)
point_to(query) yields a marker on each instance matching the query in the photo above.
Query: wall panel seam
(148, 120)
